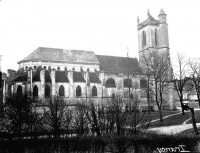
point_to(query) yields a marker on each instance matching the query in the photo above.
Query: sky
(107, 27)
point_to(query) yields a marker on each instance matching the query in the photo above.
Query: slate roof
(61, 76)
(61, 55)
(20, 78)
(114, 64)
(78, 77)
(94, 78)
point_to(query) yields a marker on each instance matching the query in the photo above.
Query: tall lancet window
(143, 39)
(156, 38)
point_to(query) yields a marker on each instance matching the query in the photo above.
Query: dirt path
(175, 129)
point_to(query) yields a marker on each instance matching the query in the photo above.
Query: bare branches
(158, 66)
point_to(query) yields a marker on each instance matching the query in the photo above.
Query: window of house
(47, 91)
(35, 91)
(73, 69)
(94, 91)
(110, 83)
(19, 91)
(78, 91)
(143, 39)
(61, 91)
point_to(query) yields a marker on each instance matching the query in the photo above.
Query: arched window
(78, 91)
(61, 91)
(127, 83)
(156, 39)
(143, 39)
(47, 91)
(94, 91)
(110, 83)
(19, 91)
(35, 91)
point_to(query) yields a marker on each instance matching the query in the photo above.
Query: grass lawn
(154, 116)
(175, 120)
(197, 117)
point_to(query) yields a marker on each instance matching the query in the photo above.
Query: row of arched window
(144, 39)
(61, 91)
(79, 92)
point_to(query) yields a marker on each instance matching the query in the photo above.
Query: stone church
(76, 74)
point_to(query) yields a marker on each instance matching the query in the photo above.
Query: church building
(74, 75)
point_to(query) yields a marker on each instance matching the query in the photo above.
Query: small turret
(162, 16)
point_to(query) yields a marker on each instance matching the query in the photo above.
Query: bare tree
(195, 77)
(80, 121)
(157, 64)
(57, 117)
(180, 79)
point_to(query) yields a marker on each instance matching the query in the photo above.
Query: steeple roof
(161, 12)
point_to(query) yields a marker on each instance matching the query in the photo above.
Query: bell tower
(153, 35)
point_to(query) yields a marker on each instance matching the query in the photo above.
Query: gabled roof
(61, 55)
(94, 78)
(78, 77)
(114, 64)
(61, 76)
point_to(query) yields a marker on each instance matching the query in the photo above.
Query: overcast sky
(106, 27)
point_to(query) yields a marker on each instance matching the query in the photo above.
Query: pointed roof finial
(138, 20)
(161, 12)
(148, 12)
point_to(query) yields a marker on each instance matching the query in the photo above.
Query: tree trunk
(183, 113)
(160, 113)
